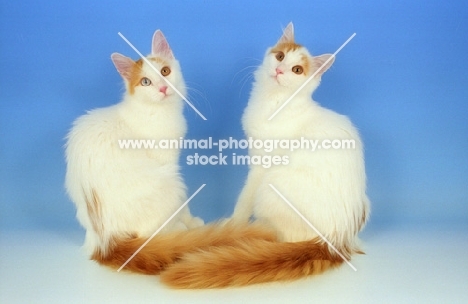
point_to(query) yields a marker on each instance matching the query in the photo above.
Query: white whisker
(193, 92)
(251, 67)
(246, 79)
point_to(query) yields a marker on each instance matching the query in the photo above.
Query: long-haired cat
(328, 187)
(123, 196)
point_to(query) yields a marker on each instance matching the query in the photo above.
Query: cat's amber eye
(165, 71)
(297, 69)
(279, 56)
(145, 82)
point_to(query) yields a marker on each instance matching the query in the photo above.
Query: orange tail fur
(166, 248)
(248, 262)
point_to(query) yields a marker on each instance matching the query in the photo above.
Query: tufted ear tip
(160, 46)
(325, 60)
(123, 64)
(288, 34)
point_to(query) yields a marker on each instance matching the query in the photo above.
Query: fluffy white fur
(120, 192)
(327, 186)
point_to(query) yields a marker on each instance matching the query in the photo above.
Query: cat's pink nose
(163, 89)
(278, 71)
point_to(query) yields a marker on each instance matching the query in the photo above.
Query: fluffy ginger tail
(165, 249)
(249, 262)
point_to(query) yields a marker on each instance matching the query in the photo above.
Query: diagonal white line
(311, 226)
(310, 78)
(160, 228)
(159, 73)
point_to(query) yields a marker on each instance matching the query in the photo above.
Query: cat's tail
(164, 249)
(249, 262)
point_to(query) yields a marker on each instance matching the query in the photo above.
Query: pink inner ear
(123, 65)
(160, 46)
(320, 60)
(288, 34)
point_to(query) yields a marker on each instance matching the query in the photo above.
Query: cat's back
(96, 132)
(96, 120)
(328, 123)
(97, 124)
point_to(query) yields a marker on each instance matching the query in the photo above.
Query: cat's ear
(123, 65)
(160, 46)
(321, 60)
(288, 34)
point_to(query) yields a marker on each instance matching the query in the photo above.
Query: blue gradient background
(402, 80)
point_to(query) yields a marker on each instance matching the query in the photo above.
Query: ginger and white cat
(123, 196)
(327, 186)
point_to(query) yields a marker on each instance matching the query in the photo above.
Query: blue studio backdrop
(402, 80)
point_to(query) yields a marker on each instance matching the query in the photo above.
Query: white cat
(327, 186)
(123, 196)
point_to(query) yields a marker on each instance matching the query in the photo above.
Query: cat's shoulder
(99, 120)
(333, 116)
(331, 120)
(98, 116)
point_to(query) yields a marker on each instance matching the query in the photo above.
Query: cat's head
(141, 79)
(287, 65)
